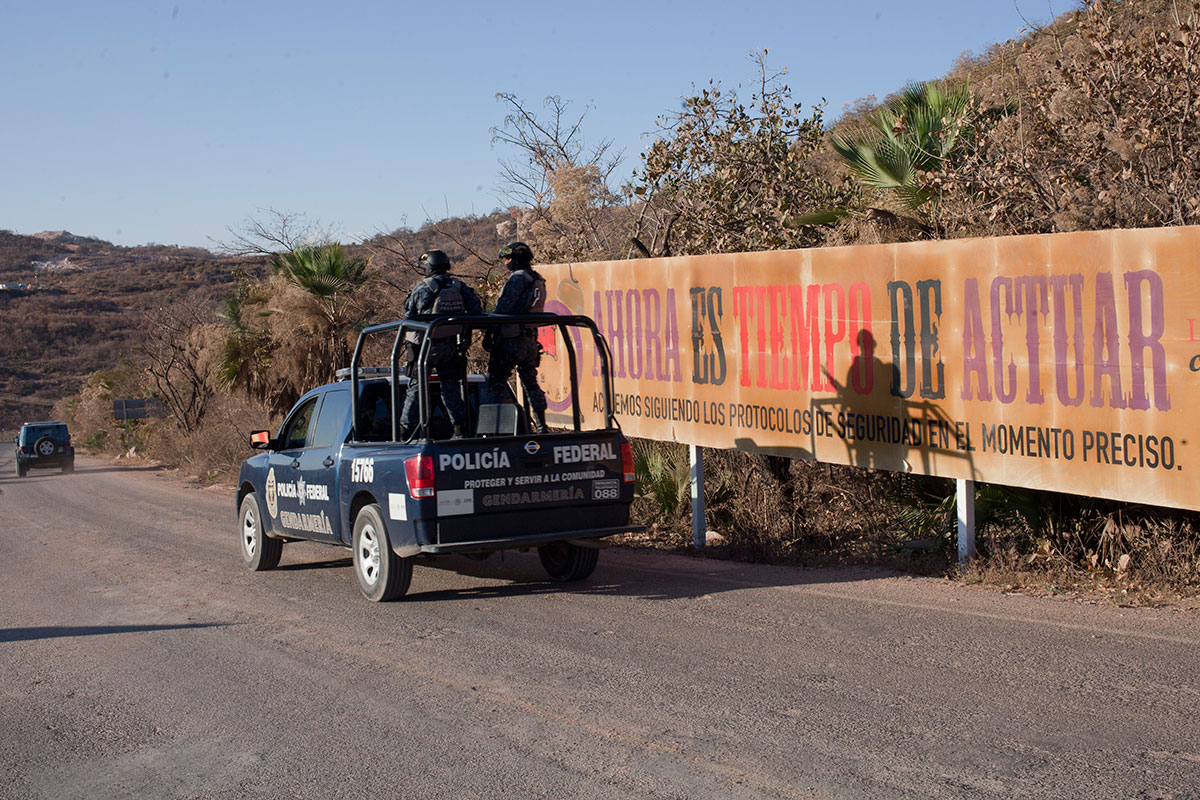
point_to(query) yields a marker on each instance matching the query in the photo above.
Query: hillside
(82, 309)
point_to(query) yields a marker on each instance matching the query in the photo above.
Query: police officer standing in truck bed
(439, 295)
(515, 345)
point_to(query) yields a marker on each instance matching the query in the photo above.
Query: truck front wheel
(382, 575)
(259, 551)
(568, 562)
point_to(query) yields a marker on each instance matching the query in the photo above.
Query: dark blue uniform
(439, 295)
(516, 346)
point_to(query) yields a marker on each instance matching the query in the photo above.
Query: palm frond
(880, 163)
(917, 132)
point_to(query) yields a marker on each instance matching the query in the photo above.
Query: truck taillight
(419, 470)
(25, 449)
(627, 461)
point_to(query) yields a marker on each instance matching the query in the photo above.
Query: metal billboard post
(698, 524)
(965, 496)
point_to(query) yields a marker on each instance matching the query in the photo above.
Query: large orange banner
(1064, 362)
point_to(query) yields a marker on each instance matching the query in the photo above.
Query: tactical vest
(533, 301)
(447, 302)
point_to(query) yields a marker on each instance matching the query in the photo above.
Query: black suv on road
(44, 444)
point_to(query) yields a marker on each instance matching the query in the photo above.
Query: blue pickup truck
(339, 470)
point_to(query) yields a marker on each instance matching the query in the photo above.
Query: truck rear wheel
(382, 575)
(259, 551)
(568, 562)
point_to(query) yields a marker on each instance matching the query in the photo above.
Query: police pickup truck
(340, 470)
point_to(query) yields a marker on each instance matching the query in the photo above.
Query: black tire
(568, 562)
(21, 470)
(382, 575)
(69, 466)
(259, 551)
(44, 447)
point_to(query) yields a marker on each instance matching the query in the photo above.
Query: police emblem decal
(272, 497)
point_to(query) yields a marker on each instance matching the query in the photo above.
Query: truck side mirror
(261, 440)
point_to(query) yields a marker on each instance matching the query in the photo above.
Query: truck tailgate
(515, 487)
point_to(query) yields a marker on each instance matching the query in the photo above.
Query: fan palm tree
(330, 278)
(915, 134)
(280, 343)
(325, 272)
(244, 359)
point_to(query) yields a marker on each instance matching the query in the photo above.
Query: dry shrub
(775, 509)
(841, 514)
(734, 175)
(211, 452)
(1102, 130)
(215, 450)
(1133, 553)
(89, 415)
(287, 340)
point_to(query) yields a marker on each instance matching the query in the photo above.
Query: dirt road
(139, 659)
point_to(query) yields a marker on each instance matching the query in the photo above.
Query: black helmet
(520, 254)
(434, 261)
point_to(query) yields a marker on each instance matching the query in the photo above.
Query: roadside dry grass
(1131, 556)
(1079, 587)
(764, 509)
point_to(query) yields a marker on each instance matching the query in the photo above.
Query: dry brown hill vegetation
(1104, 130)
(87, 304)
(82, 311)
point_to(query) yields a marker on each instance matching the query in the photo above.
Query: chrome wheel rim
(368, 554)
(249, 532)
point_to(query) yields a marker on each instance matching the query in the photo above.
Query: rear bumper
(522, 524)
(484, 545)
(47, 462)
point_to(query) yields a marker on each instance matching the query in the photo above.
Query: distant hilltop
(67, 238)
(22, 256)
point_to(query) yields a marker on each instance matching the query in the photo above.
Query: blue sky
(171, 122)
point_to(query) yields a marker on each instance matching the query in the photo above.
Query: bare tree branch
(569, 210)
(274, 232)
(174, 347)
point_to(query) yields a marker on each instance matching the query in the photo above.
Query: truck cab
(340, 470)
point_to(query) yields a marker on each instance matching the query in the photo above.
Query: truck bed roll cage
(470, 322)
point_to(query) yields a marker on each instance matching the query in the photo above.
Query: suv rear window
(31, 433)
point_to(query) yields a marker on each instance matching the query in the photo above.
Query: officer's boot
(539, 421)
(458, 433)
